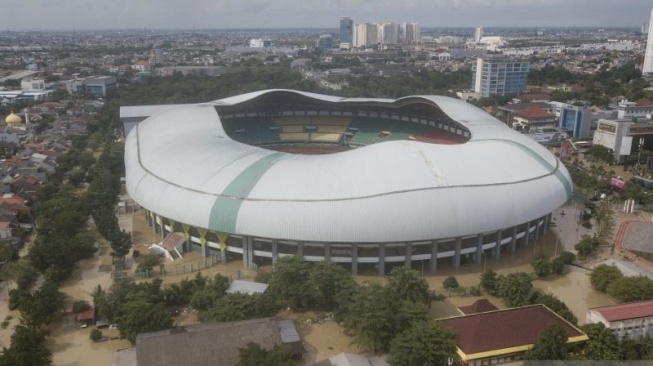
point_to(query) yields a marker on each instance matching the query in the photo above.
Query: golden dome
(13, 120)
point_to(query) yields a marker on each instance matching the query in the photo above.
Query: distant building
(346, 30)
(627, 321)
(259, 43)
(478, 34)
(410, 33)
(648, 56)
(614, 135)
(576, 121)
(499, 76)
(365, 35)
(190, 70)
(93, 86)
(642, 108)
(324, 42)
(504, 336)
(532, 118)
(388, 34)
(32, 84)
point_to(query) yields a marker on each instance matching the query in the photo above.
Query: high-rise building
(346, 30)
(499, 76)
(324, 42)
(478, 34)
(366, 35)
(410, 33)
(388, 33)
(648, 56)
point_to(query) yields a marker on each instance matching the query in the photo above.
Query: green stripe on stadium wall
(556, 172)
(224, 212)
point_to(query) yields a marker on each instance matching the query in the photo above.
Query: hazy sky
(188, 14)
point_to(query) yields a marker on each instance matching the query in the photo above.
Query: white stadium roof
(182, 165)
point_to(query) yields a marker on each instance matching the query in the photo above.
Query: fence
(172, 269)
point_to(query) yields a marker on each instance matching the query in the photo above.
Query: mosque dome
(13, 119)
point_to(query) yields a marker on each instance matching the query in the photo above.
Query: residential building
(346, 30)
(508, 111)
(532, 118)
(631, 320)
(365, 35)
(503, 336)
(642, 108)
(410, 33)
(647, 68)
(32, 84)
(388, 34)
(499, 76)
(209, 343)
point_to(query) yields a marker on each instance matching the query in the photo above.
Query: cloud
(103, 14)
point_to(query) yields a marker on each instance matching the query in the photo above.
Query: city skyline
(230, 14)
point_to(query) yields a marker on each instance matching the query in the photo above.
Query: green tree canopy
(373, 318)
(602, 343)
(551, 344)
(628, 289)
(254, 355)
(406, 284)
(289, 281)
(514, 288)
(603, 275)
(424, 343)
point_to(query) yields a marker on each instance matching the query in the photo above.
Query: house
(631, 320)
(507, 111)
(209, 343)
(503, 336)
(532, 118)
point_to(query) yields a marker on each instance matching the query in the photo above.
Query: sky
(215, 14)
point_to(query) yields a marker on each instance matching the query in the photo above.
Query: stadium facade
(360, 181)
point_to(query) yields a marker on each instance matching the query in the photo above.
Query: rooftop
(247, 287)
(505, 331)
(633, 310)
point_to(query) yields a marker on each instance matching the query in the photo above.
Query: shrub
(450, 283)
(148, 262)
(567, 257)
(96, 335)
(80, 305)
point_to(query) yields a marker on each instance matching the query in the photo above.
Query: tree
(424, 343)
(142, 316)
(553, 303)
(237, 306)
(628, 289)
(289, 281)
(406, 284)
(514, 288)
(603, 275)
(330, 286)
(27, 347)
(450, 283)
(551, 344)
(541, 265)
(372, 320)
(489, 281)
(95, 335)
(587, 246)
(602, 343)
(254, 355)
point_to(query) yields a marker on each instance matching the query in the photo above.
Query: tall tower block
(648, 56)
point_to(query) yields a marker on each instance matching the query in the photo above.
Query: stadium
(366, 182)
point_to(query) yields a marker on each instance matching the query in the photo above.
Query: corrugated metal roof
(181, 164)
(288, 332)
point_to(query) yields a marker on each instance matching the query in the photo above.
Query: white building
(614, 135)
(388, 33)
(32, 84)
(365, 35)
(648, 56)
(478, 34)
(410, 33)
(631, 320)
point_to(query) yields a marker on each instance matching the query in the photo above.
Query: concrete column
(327, 252)
(381, 259)
(354, 260)
(246, 244)
(300, 248)
(205, 251)
(479, 249)
(545, 228)
(513, 242)
(434, 256)
(275, 251)
(497, 248)
(409, 254)
(528, 233)
(456, 256)
(537, 228)
(163, 229)
(250, 252)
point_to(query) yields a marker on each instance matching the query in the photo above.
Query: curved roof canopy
(182, 165)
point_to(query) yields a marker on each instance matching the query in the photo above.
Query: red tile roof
(633, 310)
(172, 241)
(479, 306)
(533, 112)
(644, 102)
(503, 329)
